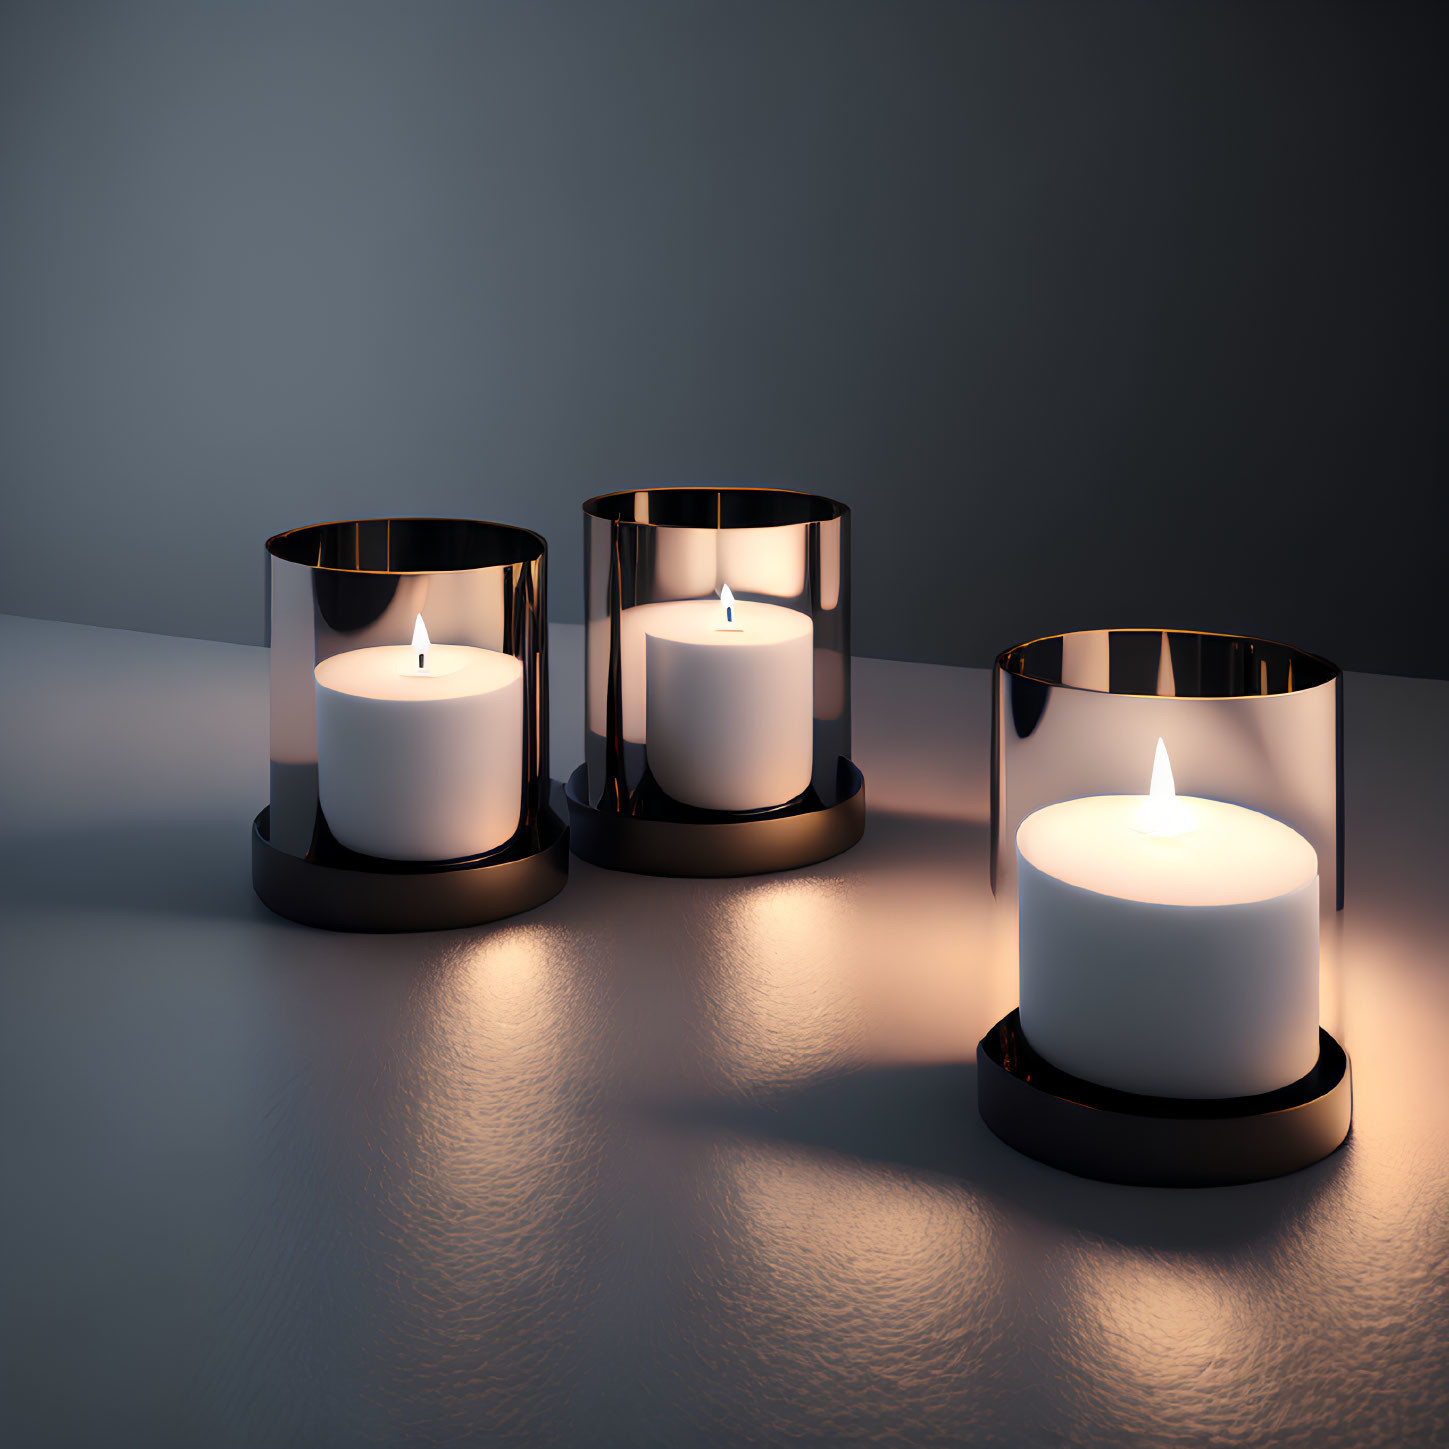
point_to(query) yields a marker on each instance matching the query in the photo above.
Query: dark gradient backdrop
(1117, 313)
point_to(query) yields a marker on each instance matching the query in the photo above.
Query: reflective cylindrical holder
(1095, 1131)
(1246, 721)
(409, 727)
(717, 683)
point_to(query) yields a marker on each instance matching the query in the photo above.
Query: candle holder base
(1114, 1136)
(338, 890)
(723, 846)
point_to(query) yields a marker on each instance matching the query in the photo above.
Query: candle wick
(730, 615)
(422, 661)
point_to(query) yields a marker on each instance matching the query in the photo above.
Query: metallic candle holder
(1248, 721)
(680, 805)
(1251, 722)
(1095, 1131)
(334, 588)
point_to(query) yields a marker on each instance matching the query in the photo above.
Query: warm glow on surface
(810, 1236)
(781, 1008)
(495, 1032)
(481, 1147)
(1163, 814)
(421, 643)
(1161, 1338)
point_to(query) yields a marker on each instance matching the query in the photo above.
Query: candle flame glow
(1163, 786)
(421, 643)
(1163, 814)
(727, 602)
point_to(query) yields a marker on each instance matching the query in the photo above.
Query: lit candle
(1169, 944)
(420, 748)
(722, 692)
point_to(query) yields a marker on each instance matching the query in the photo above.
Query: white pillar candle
(420, 749)
(691, 618)
(695, 617)
(1169, 944)
(727, 690)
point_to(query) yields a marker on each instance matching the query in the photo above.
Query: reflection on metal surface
(1122, 1137)
(349, 892)
(1330, 974)
(688, 842)
(1245, 720)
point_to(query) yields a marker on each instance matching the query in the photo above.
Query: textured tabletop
(665, 1162)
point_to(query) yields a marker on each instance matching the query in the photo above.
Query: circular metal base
(351, 892)
(1159, 1141)
(746, 845)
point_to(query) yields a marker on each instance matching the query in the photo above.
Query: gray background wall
(1124, 313)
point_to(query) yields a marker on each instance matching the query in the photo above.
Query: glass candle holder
(1245, 720)
(717, 683)
(1168, 1033)
(409, 726)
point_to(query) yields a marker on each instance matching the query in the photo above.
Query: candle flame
(1162, 813)
(727, 602)
(421, 643)
(1163, 786)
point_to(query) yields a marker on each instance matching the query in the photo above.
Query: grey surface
(665, 1162)
(1098, 314)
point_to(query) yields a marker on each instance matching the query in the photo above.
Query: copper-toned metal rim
(529, 547)
(745, 846)
(407, 896)
(1113, 1136)
(1330, 671)
(771, 504)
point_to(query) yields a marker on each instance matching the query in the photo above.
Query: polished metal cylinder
(337, 587)
(1245, 720)
(770, 546)
(752, 735)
